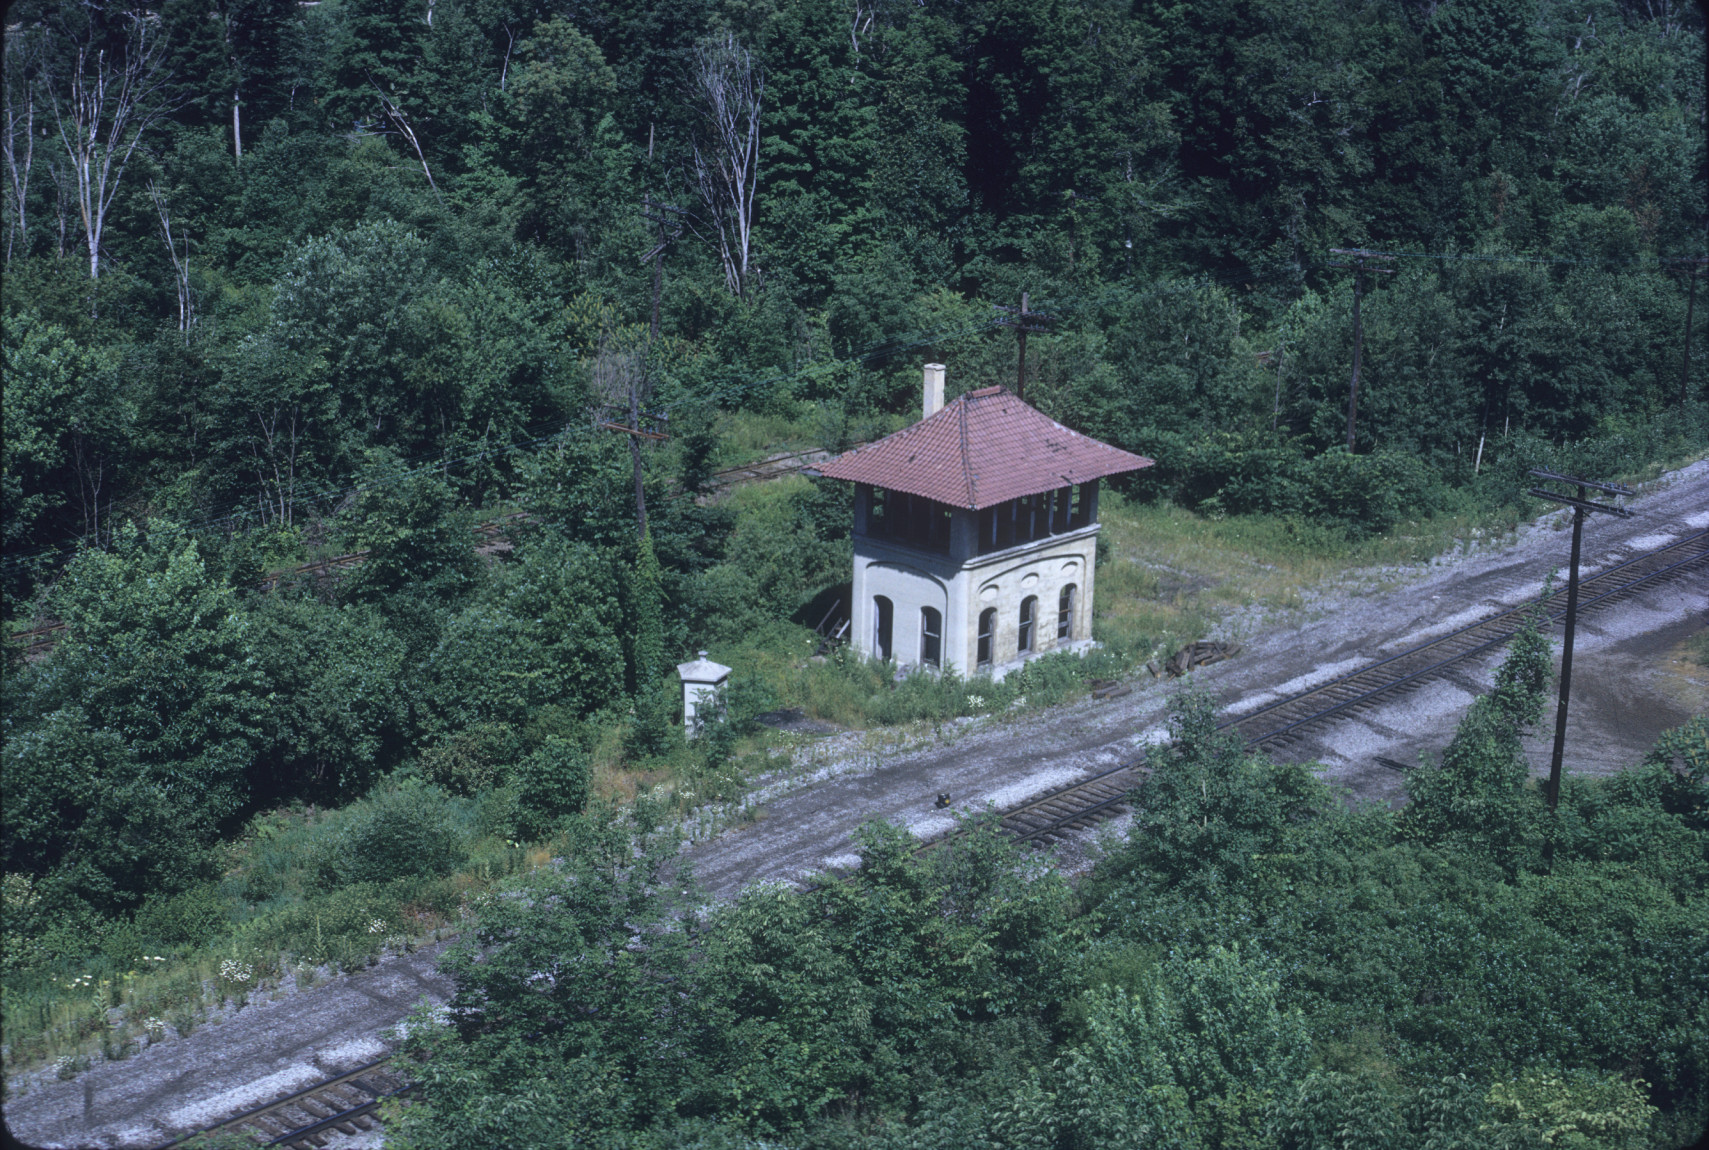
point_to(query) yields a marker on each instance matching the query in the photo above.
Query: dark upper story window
(1028, 625)
(911, 519)
(1034, 517)
(931, 636)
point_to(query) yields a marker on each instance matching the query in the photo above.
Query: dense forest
(363, 278)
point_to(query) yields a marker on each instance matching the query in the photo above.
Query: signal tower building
(975, 533)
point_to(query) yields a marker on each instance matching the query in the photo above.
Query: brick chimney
(934, 391)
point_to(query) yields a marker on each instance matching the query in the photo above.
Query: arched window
(987, 629)
(1029, 617)
(931, 636)
(883, 614)
(1065, 613)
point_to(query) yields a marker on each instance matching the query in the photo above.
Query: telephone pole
(1363, 261)
(1024, 320)
(1696, 265)
(667, 219)
(1581, 507)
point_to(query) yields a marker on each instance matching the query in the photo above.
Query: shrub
(193, 918)
(1049, 679)
(1257, 473)
(552, 782)
(477, 758)
(394, 834)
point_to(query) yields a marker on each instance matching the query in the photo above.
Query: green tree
(1476, 795)
(544, 632)
(339, 700)
(552, 782)
(55, 391)
(1207, 811)
(571, 996)
(136, 737)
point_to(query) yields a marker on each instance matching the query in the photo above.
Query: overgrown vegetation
(372, 276)
(1255, 964)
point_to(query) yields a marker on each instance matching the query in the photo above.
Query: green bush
(1228, 473)
(394, 834)
(193, 918)
(1050, 679)
(552, 782)
(475, 759)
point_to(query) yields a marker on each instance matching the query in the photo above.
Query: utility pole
(1024, 320)
(1581, 507)
(1361, 264)
(642, 425)
(1281, 363)
(1697, 263)
(667, 218)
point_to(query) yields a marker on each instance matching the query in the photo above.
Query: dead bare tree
(282, 430)
(728, 87)
(400, 123)
(101, 108)
(19, 142)
(180, 264)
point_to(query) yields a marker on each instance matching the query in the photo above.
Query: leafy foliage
(398, 246)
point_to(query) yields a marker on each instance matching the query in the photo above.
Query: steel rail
(295, 1098)
(1481, 623)
(1504, 635)
(1056, 823)
(304, 1133)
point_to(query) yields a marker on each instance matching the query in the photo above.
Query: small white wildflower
(976, 701)
(376, 926)
(234, 971)
(155, 1028)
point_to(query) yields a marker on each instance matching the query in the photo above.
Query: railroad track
(489, 537)
(772, 467)
(307, 1120)
(1052, 816)
(347, 1102)
(1281, 723)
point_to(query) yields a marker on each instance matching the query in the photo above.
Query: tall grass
(1170, 574)
(283, 925)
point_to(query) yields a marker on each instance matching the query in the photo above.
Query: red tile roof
(983, 448)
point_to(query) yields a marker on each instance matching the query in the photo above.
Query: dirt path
(1626, 692)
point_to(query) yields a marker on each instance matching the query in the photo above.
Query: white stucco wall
(913, 579)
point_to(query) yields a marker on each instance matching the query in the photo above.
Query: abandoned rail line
(489, 536)
(347, 1102)
(307, 1119)
(1051, 816)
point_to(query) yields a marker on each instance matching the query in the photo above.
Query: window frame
(931, 637)
(1026, 634)
(883, 627)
